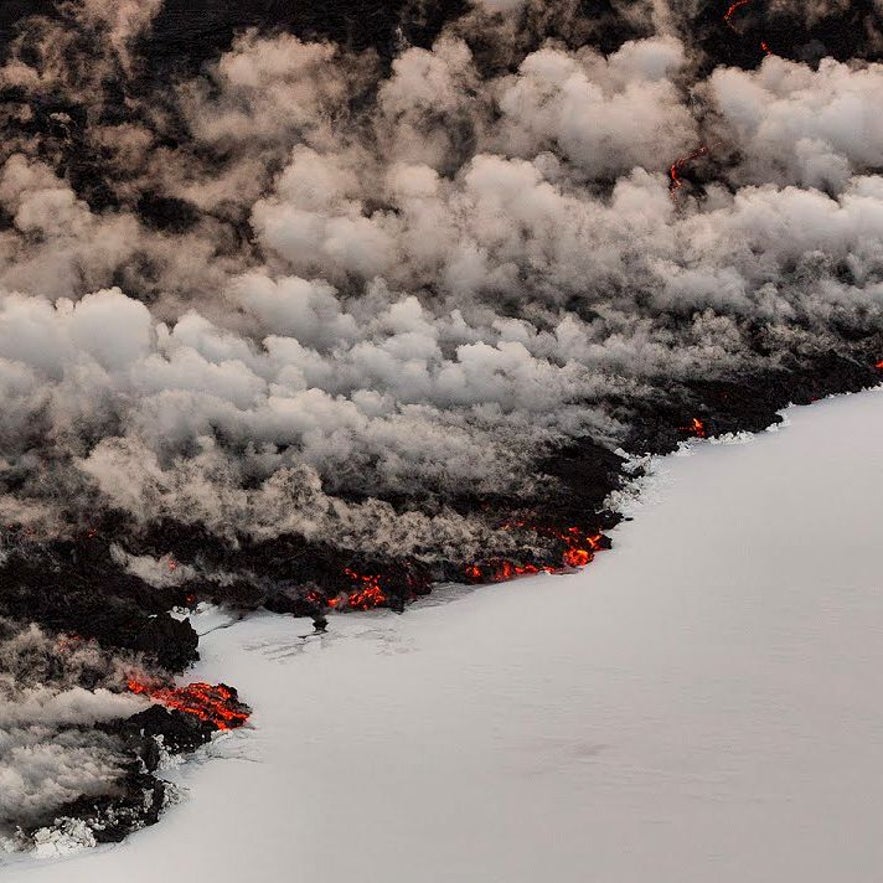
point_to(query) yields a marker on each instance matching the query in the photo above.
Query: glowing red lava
(580, 549)
(216, 704)
(368, 596)
(674, 172)
(500, 571)
(879, 365)
(696, 428)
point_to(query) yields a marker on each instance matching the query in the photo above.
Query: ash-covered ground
(309, 309)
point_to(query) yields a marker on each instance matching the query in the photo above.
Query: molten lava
(696, 428)
(728, 20)
(500, 571)
(217, 704)
(392, 588)
(367, 596)
(674, 171)
(879, 365)
(580, 549)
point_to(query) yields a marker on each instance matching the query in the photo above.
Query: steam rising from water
(276, 295)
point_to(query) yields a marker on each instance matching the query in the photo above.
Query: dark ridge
(584, 473)
(746, 403)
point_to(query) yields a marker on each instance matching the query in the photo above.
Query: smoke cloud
(316, 291)
(52, 692)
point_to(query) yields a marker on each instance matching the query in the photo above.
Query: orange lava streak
(500, 571)
(580, 550)
(697, 428)
(216, 704)
(675, 169)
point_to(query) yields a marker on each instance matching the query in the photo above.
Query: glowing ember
(697, 428)
(317, 599)
(369, 594)
(366, 596)
(879, 365)
(216, 704)
(500, 571)
(675, 169)
(581, 547)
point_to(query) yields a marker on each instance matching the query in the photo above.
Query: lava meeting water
(699, 704)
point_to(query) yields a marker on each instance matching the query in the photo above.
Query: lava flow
(581, 546)
(580, 549)
(674, 172)
(728, 19)
(696, 428)
(216, 704)
(368, 596)
(500, 571)
(731, 11)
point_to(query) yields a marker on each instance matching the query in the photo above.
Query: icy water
(700, 704)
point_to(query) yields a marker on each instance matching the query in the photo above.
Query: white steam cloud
(439, 284)
(49, 755)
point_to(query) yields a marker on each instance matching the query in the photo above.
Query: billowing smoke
(310, 294)
(52, 692)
